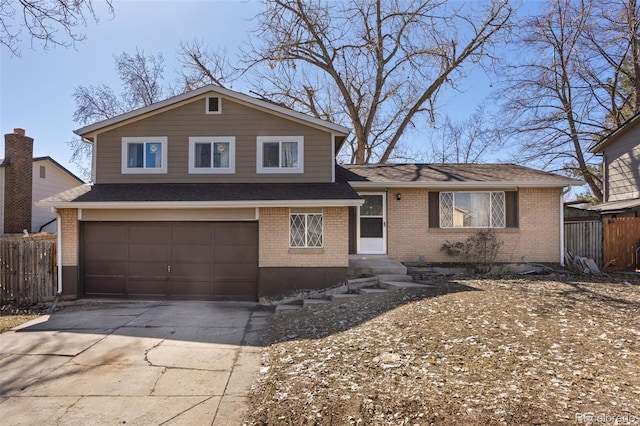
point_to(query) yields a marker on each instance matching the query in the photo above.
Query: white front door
(372, 224)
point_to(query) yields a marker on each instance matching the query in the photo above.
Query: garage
(172, 260)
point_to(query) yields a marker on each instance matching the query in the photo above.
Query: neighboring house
(213, 194)
(620, 152)
(24, 180)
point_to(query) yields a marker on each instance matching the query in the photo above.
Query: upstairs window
(472, 209)
(214, 105)
(212, 154)
(144, 154)
(280, 154)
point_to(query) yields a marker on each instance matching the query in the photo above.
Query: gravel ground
(534, 350)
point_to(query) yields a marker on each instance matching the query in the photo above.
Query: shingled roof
(449, 175)
(206, 195)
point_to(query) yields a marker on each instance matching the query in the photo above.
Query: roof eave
(119, 205)
(471, 185)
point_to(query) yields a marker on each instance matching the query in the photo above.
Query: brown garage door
(180, 260)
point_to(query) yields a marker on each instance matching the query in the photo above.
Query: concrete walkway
(134, 363)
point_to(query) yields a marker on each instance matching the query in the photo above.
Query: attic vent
(214, 105)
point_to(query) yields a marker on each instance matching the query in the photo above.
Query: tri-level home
(214, 194)
(620, 152)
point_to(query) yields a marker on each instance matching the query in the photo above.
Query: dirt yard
(536, 350)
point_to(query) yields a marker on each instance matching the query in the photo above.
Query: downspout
(562, 194)
(59, 249)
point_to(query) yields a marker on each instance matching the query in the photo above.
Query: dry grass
(539, 350)
(11, 316)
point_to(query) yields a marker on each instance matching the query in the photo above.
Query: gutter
(198, 204)
(466, 185)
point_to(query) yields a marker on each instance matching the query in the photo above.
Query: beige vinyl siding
(622, 162)
(54, 182)
(238, 120)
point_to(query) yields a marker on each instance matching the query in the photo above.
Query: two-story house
(620, 152)
(214, 194)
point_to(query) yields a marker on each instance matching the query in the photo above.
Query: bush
(479, 250)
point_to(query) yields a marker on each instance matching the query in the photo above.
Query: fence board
(27, 270)
(584, 238)
(621, 240)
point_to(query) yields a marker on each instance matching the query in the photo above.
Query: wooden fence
(621, 240)
(27, 269)
(584, 238)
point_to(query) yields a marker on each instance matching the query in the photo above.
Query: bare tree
(200, 65)
(577, 81)
(374, 65)
(467, 141)
(48, 22)
(141, 76)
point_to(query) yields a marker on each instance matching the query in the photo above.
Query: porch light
(398, 196)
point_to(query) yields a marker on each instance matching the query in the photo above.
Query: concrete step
(394, 277)
(287, 307)
(357, 283)
(372, 291)
(399, 285)
(343, 296)
(375, 265)
(307, 302)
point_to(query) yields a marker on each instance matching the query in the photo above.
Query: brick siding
(18, 183)
(69, 236)
(274, 248)
(537, 237)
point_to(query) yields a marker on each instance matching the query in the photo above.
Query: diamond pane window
(472, 210)
(305, 230)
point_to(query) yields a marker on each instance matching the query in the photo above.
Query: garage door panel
(187, 260)
(235, 254)
(147, 288)
(148, 252)
(237, 233)
(106, 251)
(190, 253)
(154, 270)
(104, 286)
(188, 234)
(193, 271)
(105, 268)
(234, 272)
(147, 232)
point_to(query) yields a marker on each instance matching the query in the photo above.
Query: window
(214, 105)
(43, 172)
(472, 210)
(144, 154)
(212, 154)
(305, 230)
(280, 154)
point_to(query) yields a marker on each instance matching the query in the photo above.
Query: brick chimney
(18, 176)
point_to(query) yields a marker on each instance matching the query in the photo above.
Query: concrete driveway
(134, 363)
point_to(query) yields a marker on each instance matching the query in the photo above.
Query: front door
(372, 224)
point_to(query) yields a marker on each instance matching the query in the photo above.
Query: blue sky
(36, 90)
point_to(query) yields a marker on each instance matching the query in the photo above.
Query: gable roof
(59, 166)
(449, 175)
(203, 195)
(87, 132)
(54, 162)
(607, 140)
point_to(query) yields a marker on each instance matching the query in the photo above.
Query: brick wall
(537, 236)
(69, 236)
(18, 182)
(274, 240)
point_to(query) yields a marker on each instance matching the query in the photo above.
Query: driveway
(134, 363)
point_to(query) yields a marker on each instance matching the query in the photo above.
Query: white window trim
(262, 139)
(306, 224)
(212, 170)
(206, 105)
(162, 140)
(490, 226)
